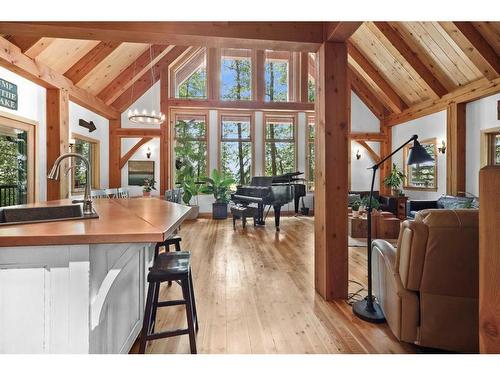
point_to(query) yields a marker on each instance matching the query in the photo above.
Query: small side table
(401, 207)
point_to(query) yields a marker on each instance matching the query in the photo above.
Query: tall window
(236, 74)
(311, 77)
(277, 76)
(279, 145)
(422, 176)
(89, 149)
(191, 77)
(494, 148)
(191, 143)
(236, 147)
(310, 152)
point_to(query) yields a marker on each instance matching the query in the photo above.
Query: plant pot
(146, 193)
(304, 211)
(193, 213)
(355, 213)
(219, 211)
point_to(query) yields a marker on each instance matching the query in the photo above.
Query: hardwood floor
(255, 294)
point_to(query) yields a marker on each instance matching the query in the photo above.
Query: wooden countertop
(120, 221)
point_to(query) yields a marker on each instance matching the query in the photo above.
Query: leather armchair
(428, 286)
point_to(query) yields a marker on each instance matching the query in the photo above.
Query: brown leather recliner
(428, 287)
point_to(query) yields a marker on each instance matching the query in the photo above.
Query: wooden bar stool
(170, 267)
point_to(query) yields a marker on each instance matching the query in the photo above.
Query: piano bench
(243, 212)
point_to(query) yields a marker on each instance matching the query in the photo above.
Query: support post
(57, 140)
(259, 75)
(385, 149)
(114, 154)
(331, 171)
(165, 135)
(455, 149)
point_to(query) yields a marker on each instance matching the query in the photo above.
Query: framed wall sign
(8, 95)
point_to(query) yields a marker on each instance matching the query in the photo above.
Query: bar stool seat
(168, 267)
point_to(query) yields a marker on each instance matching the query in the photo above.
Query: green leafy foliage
(395, 179)
(14, 166)
(375, 203)
(195, 86)
(218, 185)
(276, 74)
(149, 184)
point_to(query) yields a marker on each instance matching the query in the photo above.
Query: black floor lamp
(367, 309)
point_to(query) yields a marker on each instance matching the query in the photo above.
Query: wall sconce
(358, 155)
(72, 142)
(148, 153)
(442, 149)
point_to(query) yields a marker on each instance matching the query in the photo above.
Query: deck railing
(9, 195)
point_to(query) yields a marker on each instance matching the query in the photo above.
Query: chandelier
(146, 117)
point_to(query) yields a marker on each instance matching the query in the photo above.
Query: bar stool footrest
(165, 334)
(175, 302)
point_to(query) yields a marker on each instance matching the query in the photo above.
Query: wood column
(114, 154)
(258, 75)
(331, 171)
(304, 77)
(57, 140)
(213, 73)
(385, 149)
(165, 136)
(455, 149)
(489, 260)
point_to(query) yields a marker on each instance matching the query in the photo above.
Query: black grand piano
(274, 191)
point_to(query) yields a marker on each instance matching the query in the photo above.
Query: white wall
(363, 120)
(431, 126)
(32, 106)
(481, 115)
(101, 134)
(150, 100)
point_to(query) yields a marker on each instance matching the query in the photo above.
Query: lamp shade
(418, 154)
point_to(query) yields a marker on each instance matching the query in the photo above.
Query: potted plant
(190, 187)
(149, 184)
(355, 207)
(375, 203)
(218, 185)
(395, 180)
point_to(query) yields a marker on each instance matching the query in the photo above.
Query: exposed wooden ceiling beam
(133, 150)
(293, 36)
(340, 31)
(88, 62)
(362, 90)
(388, 96)
(23, 42)
(375, 157)
(137, 132)
(371, 137)
(243, 104)
(144, 82)
(473, 91)
(411, 57)
(13, 59)
(133, 72)
(40, 46)
(477, 49)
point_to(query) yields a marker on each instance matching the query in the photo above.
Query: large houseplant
(395, 180)
(218, 185)
(190, 189)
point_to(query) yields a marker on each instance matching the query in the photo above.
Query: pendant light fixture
(144, 116)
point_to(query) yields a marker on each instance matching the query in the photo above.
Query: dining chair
(98, 194)
(110, 193)
(122, 193)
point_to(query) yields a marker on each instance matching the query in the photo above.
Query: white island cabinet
(80, 298)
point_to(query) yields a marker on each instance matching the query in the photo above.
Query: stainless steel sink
(27, 215)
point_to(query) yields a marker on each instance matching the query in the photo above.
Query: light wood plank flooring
(255, 294)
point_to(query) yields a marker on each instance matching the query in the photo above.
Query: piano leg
(277, 214)
(260, 214)
(296, 200)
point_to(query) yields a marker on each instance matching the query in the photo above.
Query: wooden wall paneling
(166, 142)
(61, 54)
(133, 72)
(111, 67)
(340, 31)
(395, 39)
(144, 83)
(304, 77)
(88, 62)
(385, 149)
(133, 150)
(280, 36)
(331, 171)
(455, 148)
(11, 58)
(363, 91)
(114, 154)
(388, 95)
(489, 261)
(477, 48)
(473, 91)
(57, 140)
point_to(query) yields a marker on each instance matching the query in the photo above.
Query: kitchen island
(78, 286)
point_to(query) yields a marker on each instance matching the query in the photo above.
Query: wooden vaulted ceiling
(395, 66)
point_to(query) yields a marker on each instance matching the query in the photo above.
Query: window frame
(175, 113)
(276, 115)
(491, 148)
(407, 167)
(244, 114)
(310, 118)
(250, 58)
(94, 163)
(30, 127)
(182, 62)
